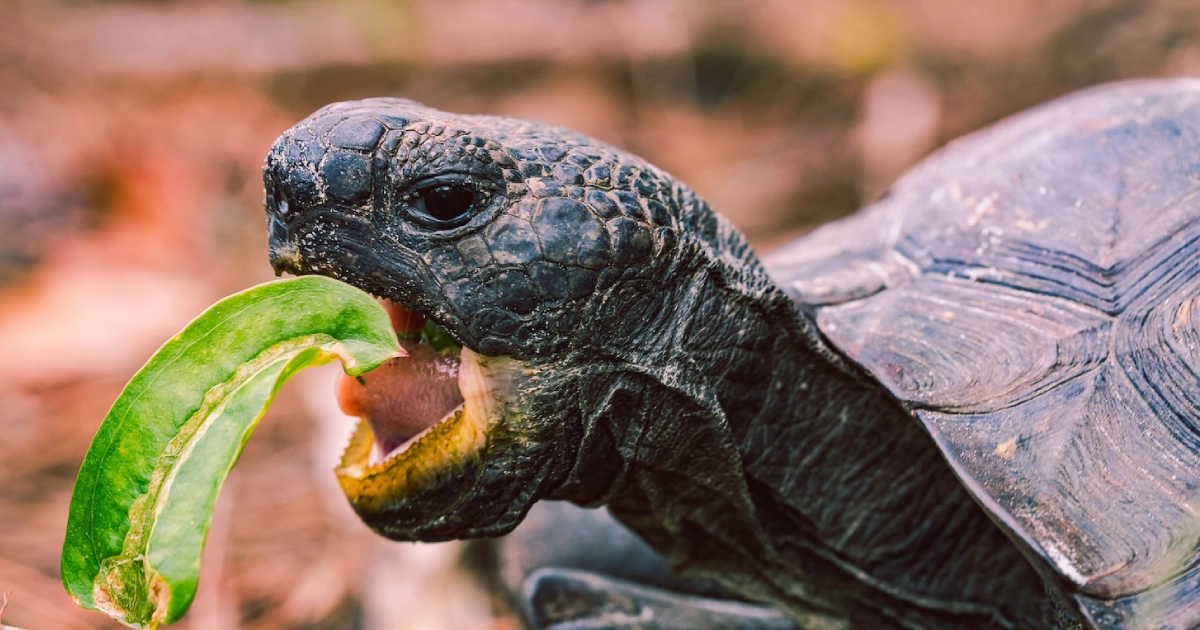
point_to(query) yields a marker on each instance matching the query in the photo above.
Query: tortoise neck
(758, 446)
(847, 485)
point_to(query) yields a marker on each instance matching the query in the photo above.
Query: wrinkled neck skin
(714, 421)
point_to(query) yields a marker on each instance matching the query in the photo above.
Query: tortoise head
(550, 258)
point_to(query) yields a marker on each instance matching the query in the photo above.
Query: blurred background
(131, 139)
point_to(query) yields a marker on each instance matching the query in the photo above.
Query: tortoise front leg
(570, 568)
(569, 599)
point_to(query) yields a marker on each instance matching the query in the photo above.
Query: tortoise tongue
(406, 395)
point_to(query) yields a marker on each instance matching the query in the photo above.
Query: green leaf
(144, 497)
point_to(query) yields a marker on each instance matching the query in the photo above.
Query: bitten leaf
(144, 497)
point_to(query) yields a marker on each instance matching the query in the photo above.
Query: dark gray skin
(666, 375)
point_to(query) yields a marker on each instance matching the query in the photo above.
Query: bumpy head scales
(552, 258)
(497, 228)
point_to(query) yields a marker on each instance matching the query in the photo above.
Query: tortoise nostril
(277, 202)
(282, 207)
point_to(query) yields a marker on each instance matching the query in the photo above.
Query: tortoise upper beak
(281, 246)
(285, 258)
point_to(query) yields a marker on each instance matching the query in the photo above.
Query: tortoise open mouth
(421, 415)
(405, 398)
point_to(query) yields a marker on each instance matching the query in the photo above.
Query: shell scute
(1032, 294)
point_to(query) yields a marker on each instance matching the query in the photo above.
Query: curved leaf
(144, 497)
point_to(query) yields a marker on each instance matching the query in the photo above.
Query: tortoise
(973, 404)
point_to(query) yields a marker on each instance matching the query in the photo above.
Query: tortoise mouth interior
(403, 400)
(425, 416)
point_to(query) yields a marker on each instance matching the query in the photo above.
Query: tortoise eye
(446, 201)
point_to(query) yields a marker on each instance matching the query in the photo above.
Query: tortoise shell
(1031, 294)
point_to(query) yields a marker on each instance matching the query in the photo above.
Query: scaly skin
(651, 364)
